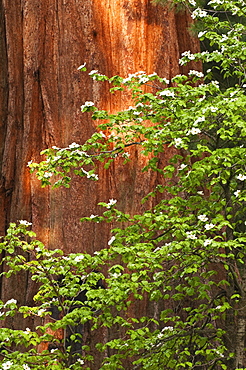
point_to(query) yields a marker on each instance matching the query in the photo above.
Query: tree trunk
(42, 44)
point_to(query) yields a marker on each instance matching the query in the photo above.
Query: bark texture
(42, 43)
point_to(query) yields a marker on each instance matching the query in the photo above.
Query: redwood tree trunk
(42, 44)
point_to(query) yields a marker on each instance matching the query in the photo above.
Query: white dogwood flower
(79, 258)
(10, 301)
(213, 109)
(237, 192)
(194, 131)
(94, 71)
(178, 141)
(200, 192)
(182, 166)
(202, 218)
(191, 235)
(25, 223)
(82, 66)
(167, 92)
(192, 72)
(73, 145)
(209, 226)
(41, 312)
(241, 177)
(111, 240)
(200, 34)
(199, 119)
(87, 104)
(111, 203)
(7, 365)
(143, 79)
(198, 12)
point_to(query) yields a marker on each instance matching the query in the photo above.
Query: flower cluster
(73, 146)
(167, 92)
(25, 223)
(186, 56)
(47, 175)
(198, 13)
(191, 235)
(126, 155)
(111, 203)
(79, 258)
(202, 218)
(86, 105)
(199, 119)
(131, 76)
(194, 131)
(196, 73)
(143, 79)
(166, 328)
(89, 175)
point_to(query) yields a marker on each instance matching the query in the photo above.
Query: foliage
(185, 256)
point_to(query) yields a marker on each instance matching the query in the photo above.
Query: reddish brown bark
(41, 91)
